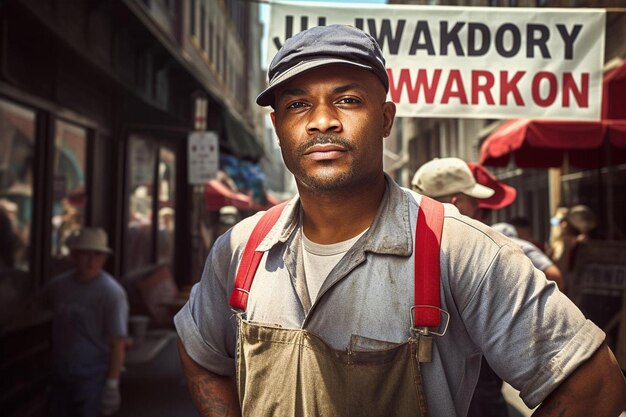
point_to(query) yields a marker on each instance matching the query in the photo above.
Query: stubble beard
(325, 179)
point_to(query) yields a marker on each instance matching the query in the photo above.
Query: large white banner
(477, 62)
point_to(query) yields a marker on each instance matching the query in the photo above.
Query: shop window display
(139, 240)
(17, 141)
(151, 199)
(69, 198)
(167, 192)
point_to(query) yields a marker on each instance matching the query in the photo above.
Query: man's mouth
(324, 152)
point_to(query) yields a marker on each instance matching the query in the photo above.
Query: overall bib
(292, 372)
(287, 372)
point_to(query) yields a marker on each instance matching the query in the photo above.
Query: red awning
(217, 195)
(545, 143)
(614, 93)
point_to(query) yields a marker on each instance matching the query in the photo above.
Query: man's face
(468, 206)
(88, 263)
(331, 122)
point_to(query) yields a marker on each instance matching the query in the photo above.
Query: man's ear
(389, 114)
(273, 117)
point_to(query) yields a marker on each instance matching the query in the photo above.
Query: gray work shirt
(499, 304)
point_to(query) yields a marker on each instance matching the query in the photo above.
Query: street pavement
(156, 387)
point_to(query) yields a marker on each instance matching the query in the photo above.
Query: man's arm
(597, 388)
(553, 273)
(116, 357)
(214, 395)
(111, 399)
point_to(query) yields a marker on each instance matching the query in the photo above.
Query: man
(449, 180)
(89, 332)
(333, 294)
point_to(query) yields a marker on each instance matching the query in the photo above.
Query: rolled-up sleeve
(206, 325)
(532, 335)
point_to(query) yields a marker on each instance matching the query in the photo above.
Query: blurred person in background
(524, 229)
(575, 228)
(449, 180)
(540, 260)
(89, 331)
(556, 241)
(228, 217)
(10, 241)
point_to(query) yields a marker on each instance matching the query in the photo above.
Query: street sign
(203, 152)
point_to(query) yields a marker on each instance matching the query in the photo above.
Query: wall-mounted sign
(203, 152)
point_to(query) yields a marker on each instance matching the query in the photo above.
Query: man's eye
(349, 100)
(296, 105)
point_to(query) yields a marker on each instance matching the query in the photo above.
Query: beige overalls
(294, 373)
(287, 372)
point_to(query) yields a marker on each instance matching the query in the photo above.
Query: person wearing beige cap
(336, 303)
(90, 327)
(449, 180)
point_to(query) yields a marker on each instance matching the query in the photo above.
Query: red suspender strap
(427, 267)
(251, 258)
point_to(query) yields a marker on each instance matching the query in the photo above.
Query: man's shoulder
(461, 231)
(111, 284)
(237, 237)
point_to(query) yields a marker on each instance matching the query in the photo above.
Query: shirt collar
(390, 233)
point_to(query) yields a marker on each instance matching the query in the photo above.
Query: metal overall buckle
(424, 334)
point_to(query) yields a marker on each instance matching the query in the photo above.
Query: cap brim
(266, 98)
(92, 248)
(503, 197)
(479, 191)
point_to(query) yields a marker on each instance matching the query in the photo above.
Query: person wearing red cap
(504, 195)
(324, 323)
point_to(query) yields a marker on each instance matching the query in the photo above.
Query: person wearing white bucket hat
(89, 332)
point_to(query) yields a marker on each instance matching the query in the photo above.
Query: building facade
(97, 100)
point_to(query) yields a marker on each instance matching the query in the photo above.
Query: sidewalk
(155, 387)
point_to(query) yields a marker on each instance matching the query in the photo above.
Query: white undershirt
(320, 259)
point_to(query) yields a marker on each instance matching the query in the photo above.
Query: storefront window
(69, 194)
(142, 168)
(167, 191)
(17, 140)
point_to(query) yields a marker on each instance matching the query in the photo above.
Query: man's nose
(323, 119)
